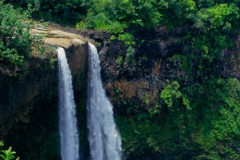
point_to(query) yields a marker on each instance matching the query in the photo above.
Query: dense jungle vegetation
(201, 118)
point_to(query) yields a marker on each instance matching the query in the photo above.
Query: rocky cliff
(28, 102)
(154, 64)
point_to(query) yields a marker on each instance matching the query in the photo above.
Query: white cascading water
(104, 139)
(67, 111)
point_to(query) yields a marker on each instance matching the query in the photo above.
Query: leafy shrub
(130, 55)
(64, 12)
(16, 41)
(127, 38)
(119, 60)
(220, 16)
(7, 154)
(171, 94)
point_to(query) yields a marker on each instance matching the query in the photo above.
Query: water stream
(67, 111)
(104, 139)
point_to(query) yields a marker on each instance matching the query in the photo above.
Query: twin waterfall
(104, 140)
(67, 111)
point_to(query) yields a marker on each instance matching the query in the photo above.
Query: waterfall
(104, 139)
(67, 111)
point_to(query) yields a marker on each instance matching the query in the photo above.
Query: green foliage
(7, 154)
(10, 55)
(117, 16)
(16, 42)
(129, 59)
(137, 137)
(146, 99)
(211, 25)
(130, 55)
(133, 13)
(127, 38)
(176, 12)
(63, 12)
(210, 126)
(154, 111)
(117, 90)
(119, 60)
(219, 122)
(52, 62)
(171, 94)
(220, 16)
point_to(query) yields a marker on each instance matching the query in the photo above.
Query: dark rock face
(230, 61)
(22, 92)
(140, 83)
(160, 43)
(98, 36)
(78, 59)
